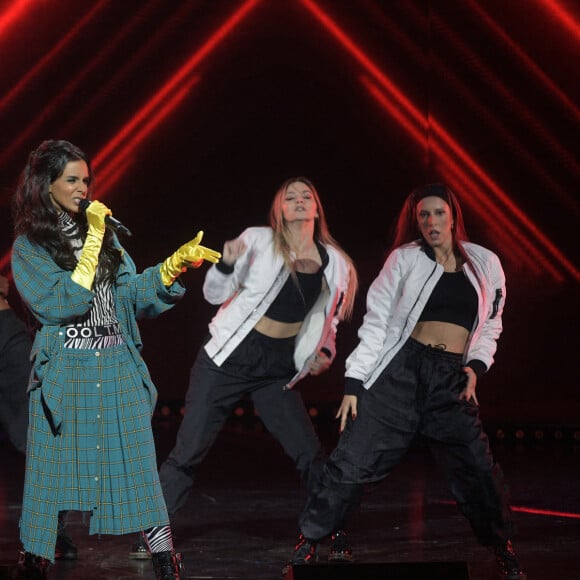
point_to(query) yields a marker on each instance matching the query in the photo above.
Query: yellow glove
(84, 273)
(190, 255)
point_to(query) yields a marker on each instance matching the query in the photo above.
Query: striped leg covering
(159, 539)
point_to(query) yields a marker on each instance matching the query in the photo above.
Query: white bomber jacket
(398, 295)
(246, 294)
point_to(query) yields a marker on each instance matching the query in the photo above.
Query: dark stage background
(195, 111)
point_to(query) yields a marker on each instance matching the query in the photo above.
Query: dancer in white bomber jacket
(411, 271)
(283, 290)
(431, 328)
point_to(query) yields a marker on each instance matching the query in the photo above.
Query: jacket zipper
(407, 321)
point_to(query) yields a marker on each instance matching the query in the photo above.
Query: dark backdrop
(283, 92)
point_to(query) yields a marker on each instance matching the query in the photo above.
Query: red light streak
(448, 141)
(552, 513)
(563, 17)
(365, 61)
(24, 135)
(528, 63)
(154, 113)
(527, 510)
(177, 80)
(49, 56)
(394, 111)
(12, 14)
(542, 240)
(525, 250)
(518, 106)
(114, 159)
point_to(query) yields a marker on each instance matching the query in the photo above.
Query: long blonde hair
(321, 234)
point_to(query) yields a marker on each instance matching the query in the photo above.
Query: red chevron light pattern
(510, 224)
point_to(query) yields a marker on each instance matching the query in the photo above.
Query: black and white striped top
(99, 327)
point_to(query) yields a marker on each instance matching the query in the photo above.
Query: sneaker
(304, 552)
(65, 549)
(508, 567)
(340, 550)
(139, 550)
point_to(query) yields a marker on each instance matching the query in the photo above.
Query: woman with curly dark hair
(90, 445)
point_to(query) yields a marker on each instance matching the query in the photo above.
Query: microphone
(112, 222)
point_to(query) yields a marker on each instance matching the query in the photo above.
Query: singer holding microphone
(90, 444)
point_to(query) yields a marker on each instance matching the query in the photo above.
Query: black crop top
(453, 300)
(295, 300)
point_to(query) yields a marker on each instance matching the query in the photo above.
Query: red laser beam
(114, 159)
(404, 105)
(456, 174)
(551, 513)
(528, 64)
(175, 83)
(563, 16)
(86, 71)
(133, 136)
(507, 95)
(448, 151)
(528, 510)
(50, 55)
(14, 13)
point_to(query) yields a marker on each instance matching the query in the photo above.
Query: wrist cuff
(353, 387)
(478, 367)
(224, 268)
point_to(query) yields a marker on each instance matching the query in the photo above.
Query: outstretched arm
(190, 255)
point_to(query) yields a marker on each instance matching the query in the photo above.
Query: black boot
(340, 550)
(30, 567)
(65, 548)
(167, 565)
(304, 552)
(508, 567)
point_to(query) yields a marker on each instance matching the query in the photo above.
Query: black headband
(436, 189)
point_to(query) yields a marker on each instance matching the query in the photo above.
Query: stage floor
(240, 522)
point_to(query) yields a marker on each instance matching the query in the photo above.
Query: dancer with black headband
(434, 315)
(90, 444)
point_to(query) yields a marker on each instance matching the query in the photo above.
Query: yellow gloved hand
(190, 255)
(84, 273)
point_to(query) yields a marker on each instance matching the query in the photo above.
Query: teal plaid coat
(90, 445)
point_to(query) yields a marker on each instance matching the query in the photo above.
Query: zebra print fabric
(99, 327)
(159, 539)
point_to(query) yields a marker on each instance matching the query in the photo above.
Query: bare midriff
(277, 329)
(444, 335)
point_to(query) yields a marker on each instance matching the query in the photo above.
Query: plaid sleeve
(145, 291)
(47, 289)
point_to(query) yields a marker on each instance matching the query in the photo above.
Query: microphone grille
(84, 204)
